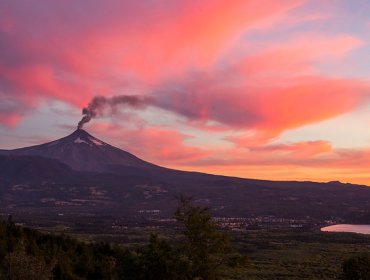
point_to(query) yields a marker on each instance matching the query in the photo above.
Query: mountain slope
(81, 151)
(22, 169)
(80, 176)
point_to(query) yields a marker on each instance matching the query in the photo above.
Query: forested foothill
(196, 248)
(199, 251)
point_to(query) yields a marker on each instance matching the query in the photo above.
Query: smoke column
(99, 103)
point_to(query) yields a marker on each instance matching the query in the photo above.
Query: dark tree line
(357, 267)
(202, 251)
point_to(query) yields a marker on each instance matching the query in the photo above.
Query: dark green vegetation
(272, 254)
(357, 267)
(297, 254)
(194, 247)
(199, 251)
(278, 253)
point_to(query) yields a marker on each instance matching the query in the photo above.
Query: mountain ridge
(83, 152)
(64, 150)
(82, 176)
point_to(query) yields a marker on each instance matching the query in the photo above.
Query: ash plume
(99, 104)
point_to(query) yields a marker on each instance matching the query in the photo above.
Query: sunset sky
(259, 89)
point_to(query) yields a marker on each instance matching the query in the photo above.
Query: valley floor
(272, 253)
(274, 250)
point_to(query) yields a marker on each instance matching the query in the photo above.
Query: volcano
(83, 152)
(81, 176)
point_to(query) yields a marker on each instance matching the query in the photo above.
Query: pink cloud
(266, 110)
(217, 64)
(65, 54)
(300, 55)
(269, 91)
(9, 119)
(105, 52)
(156, 144)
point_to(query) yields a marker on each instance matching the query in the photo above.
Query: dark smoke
(99, 103)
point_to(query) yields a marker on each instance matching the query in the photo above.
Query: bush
(357, 268)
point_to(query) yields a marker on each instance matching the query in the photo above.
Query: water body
(364, 229)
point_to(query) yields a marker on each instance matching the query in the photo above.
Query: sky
(262, 89)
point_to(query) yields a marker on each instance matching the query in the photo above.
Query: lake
(364, 229)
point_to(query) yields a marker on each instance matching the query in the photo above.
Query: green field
(271, 253)
(298, 255)
(265, 253)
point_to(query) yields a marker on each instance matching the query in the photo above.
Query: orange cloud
(305, 153)
(311, 160)
(298, 150)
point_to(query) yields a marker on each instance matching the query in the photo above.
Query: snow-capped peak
(96, 141)
(89, 141)
(80, 141)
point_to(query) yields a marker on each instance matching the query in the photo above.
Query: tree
(159, 261)
(357, 268)
(23, 266)
(200, 251)
(204, 245)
